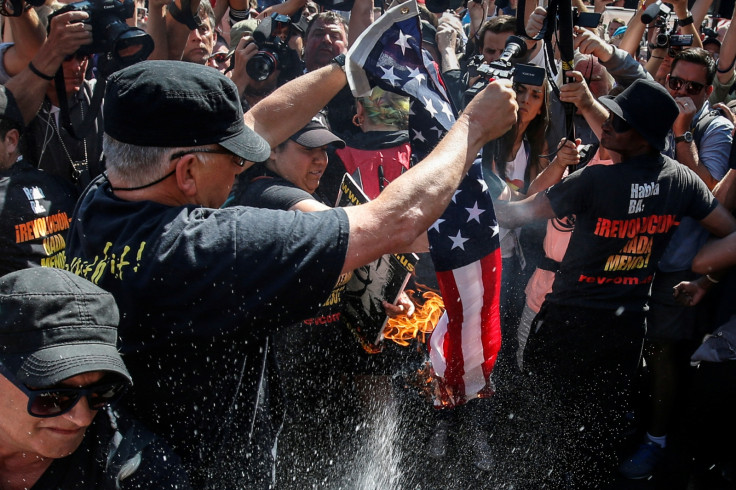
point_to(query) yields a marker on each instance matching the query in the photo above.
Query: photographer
(264, 60)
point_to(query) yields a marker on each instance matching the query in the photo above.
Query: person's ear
(708, 91)
(186, 175)
(12, 137)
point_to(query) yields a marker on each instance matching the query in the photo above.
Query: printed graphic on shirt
(93, 270)
(34, 195)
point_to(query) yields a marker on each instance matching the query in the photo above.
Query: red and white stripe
(464, 345)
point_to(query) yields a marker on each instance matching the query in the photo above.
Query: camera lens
(261, 65)
(663, 40)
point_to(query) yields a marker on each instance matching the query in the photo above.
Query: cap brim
(49, 367)
(609, 103)
(249, 145)
(314, 138)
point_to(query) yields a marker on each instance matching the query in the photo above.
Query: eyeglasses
(618, 124)
(52, 402)
(239, 161)
(692, 88)
(219, 57)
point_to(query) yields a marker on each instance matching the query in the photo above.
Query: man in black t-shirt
(591, 325)
(35, 208)
(200, 288)
(60, 372)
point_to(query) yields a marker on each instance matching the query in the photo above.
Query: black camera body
(503, 68)
(110, 33)
(273, 51)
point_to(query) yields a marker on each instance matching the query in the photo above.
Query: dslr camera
(110, 34)
(271, 36)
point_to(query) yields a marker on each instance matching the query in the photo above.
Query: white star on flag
(430, 108)
(436, 225)
(388, 75)
(415, 74)
(447, 111)
(403, 42)
(475, 212)
(483, 185)
(439, 131)
(418, 135)
(495, 229)
(455, 195)
(458, 241)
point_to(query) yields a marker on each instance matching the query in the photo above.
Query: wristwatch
(186, 18)
(339, 60)
(687, 138)
(686, 21)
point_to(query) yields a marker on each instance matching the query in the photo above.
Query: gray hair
(138, 165)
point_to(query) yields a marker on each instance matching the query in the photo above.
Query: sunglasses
(239, 161)
(219, 57)
(691, 88)
(52, 402)
(618, 124)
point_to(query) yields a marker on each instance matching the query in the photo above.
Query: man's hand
(589, 43)
(493, 111)
(567, 152)
(478, 13)
(68, 33)
(404, 306)
(245, 50)
(685, 118)
(577, 92)
(446, 37)
(689, 293)
(536, 22)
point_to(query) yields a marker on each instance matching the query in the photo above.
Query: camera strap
(94, 106)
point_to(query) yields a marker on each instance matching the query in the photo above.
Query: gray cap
(55, 325)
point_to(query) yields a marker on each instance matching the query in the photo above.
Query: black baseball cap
(316, 134)
(647, 107)
(178, 104)
(55, 325)
(9, 108)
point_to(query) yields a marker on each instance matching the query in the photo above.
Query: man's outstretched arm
(410, 204)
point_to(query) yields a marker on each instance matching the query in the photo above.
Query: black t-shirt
(35, 209)
(624, 216)
(117, 453)
(262, 188)
(199, 290)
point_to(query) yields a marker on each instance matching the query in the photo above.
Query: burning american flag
(464, 242)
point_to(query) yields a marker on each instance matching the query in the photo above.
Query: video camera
(110, 34)
(503, 68)
(272, 36)
(659, 13)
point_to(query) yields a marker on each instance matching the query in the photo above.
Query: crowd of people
(175, 266)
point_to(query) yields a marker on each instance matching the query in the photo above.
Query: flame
(403, 329)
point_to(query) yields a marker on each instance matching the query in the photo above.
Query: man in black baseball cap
(201, 287)
(584, 355)
(59, 366)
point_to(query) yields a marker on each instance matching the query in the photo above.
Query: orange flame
(403, 329)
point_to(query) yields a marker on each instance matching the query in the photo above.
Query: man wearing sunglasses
(585, 352)
(60, 374)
